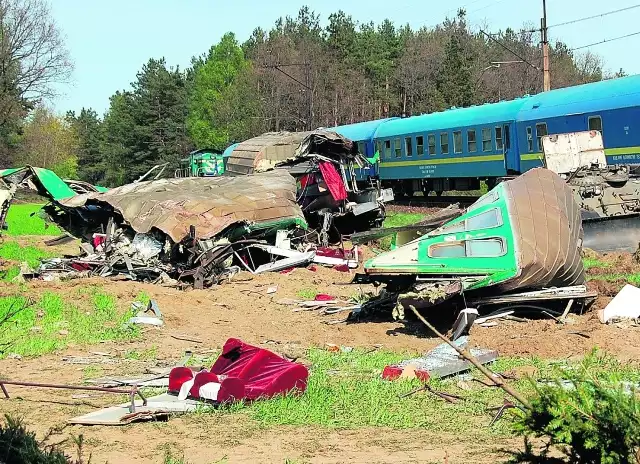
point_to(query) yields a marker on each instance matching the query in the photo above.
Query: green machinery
(205, 162)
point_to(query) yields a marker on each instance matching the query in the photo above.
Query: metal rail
(132, 393)
(434, 201)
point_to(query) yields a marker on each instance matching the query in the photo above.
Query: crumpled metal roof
(211, 204)
(277, 148)
(547, 228)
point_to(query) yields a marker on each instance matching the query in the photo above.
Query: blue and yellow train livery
(611, 107)
(457, 148)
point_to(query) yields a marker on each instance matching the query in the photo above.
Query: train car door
(511, 160)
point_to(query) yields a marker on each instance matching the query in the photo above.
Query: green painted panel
(56, 187)
(496, 269)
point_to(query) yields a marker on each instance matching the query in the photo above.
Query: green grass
(53, 323)
(593, 262)
(307, 293)
(402, 219)
(12, 251)
(23, 219)
(345, 390)
(398, 220)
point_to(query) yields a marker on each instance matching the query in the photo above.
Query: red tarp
(333, 181)
(241, 372)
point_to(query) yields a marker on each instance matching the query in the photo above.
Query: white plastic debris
(146, 247)
(625, 305)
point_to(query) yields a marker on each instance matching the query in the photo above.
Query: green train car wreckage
(525, 234)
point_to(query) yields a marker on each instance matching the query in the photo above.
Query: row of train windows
(595, 123)
(395, 147)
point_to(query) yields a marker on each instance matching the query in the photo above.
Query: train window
(485, 220)
(447, 250)
(486, 248)
(387, 148)
(529, 139)
(408, 146)
(379, 149)
(457, 141)
(431, 139)
(398, 148)
(361, 148)
(444, 143)
(507, 138)
(477, 248)
(472, 146)
(486, 139)
(499, 145)
(420, 145)
(541, 131)
(595, 123)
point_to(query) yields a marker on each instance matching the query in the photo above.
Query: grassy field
(23, 219)
(52, 322)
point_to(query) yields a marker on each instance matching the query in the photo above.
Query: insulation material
(209, 204)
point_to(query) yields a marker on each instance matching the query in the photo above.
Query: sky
(110, 40)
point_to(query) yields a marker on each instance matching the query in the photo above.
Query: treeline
(300, 76)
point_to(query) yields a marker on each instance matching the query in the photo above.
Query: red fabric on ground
(265, 373)
(244, 372)
(333, 181)
(324, 297)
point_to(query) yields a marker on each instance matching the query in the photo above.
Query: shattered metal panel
(547, 229)
(211, 204)
(269, 150)
(263, 152)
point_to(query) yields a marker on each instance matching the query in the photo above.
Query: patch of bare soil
(243, 309)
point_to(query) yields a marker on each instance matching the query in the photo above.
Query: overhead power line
(573, 21)
(490, 37)
(606, 40)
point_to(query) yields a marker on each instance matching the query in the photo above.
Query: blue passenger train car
(450, 150)
(457, 148)
(611, 107)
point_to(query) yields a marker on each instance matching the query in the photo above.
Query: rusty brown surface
(547, 229)
(268, 150)
(211, 204)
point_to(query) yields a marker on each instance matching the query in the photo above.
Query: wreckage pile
(518, 246)
(200, 230)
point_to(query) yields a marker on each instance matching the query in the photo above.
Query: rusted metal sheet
(264, 152)
(547, 228)
(276, 148)
(211, 204)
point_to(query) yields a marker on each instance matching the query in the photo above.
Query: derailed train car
(523, 235)
(324, 165)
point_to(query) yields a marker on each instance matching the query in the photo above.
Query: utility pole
(546, 78)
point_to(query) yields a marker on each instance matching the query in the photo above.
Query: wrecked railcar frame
(525, 234)
(323, 164)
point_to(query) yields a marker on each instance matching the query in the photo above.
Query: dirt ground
(243, 309)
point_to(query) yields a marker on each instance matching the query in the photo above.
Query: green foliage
(15, 252)
(221, 100)
(307, 293)
(89, 130)
(25, 219)
(589, 410)
(49, 141)
(19, 446)
(147, 125)
(52, 322)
